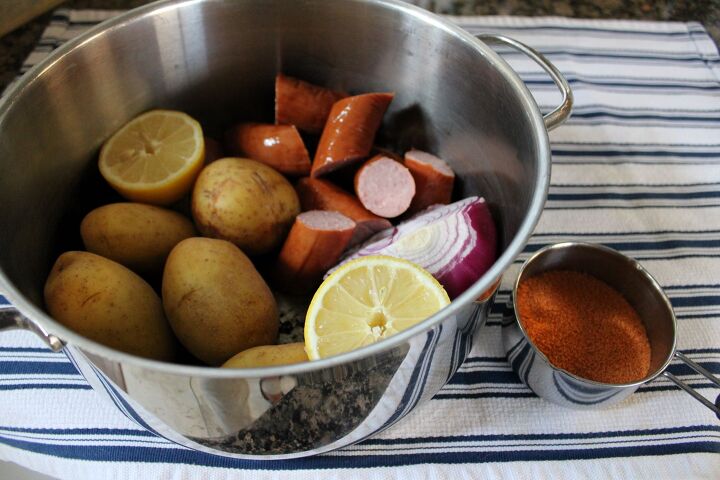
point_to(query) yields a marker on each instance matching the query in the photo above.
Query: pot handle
(562, 112)
(680, 356)
(12, 319)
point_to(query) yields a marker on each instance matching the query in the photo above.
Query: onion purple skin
(456, 243)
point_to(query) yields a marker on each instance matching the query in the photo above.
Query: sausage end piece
(303, 104)
(279, 146)
(433, 179)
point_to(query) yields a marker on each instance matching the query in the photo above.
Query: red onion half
(456, 243)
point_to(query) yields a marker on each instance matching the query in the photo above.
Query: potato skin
(135, 235)
(106, 302)
(244, 202)
(215, 300)
(268, 355)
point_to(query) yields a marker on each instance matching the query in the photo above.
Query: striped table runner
(637, 168)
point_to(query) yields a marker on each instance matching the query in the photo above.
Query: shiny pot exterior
(217, 60)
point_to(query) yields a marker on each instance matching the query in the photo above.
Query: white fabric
(637, 167)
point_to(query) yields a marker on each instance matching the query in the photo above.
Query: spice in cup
(584, 326)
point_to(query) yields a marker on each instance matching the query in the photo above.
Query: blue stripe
(634, 109)
(631, 153)
(37, 378)
(628, 435)
(624, 80)
(632, 207)
(637, 161)
(614, 52)
(478, 377)
(190, 457)
(524, 392)
(695, 301)
(628, 86)
(133, 413)
(14, 367)
(641, 144)
(640, 56)
(80, 431)
(4, 301)
(644, 116)
(639, 245)
(637, 232)
(577, 28)
(696, 316)
(484, 376)
(486, 360)
(633, 196)
(46, 386)
(700, 350)
(503, 359)
(501, 437)
(642, 258)
(711, 128)
(29, 349)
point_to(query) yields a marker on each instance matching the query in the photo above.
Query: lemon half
(367, 300)
(155, 157)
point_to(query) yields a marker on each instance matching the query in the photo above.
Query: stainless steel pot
(217, 61)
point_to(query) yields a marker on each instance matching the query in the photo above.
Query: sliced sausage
(349, 132)
(279, 146)
(213, 150)
(433, 179)
(314, 245)
(384, 186)
(319, 194)
(303, 104)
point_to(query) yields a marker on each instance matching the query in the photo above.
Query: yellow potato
(244, 202)
(268, 355)
(108, 303)
(136, 235)
(215, 300)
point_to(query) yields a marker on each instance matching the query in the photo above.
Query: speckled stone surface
(15, 46)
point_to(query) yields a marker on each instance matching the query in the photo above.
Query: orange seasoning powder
(584, 326)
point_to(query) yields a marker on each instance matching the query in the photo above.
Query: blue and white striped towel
(637, 168)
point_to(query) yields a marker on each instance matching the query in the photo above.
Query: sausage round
(384, 186)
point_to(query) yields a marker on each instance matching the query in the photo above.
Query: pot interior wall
(217, 61)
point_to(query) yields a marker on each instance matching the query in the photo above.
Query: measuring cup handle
(683, 358)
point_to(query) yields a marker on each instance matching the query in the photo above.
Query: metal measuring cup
(639, 288)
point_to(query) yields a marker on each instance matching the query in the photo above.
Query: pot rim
(514, 248)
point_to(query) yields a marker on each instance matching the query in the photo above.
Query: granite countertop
(16, 45)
